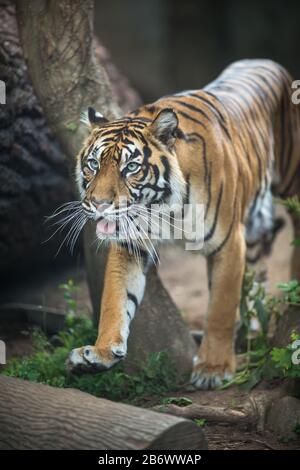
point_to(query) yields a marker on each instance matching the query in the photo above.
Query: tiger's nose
(101, 204)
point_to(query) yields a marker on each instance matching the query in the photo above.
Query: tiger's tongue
(106, 227)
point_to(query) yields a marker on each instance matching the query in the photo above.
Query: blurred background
(164, 46)
(161, 46)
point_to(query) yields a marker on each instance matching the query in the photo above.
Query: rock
(158, 326)
(283, 417)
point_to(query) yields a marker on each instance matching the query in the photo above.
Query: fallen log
(50, 320)
(250, 413)
(213, 414)
(37, 416)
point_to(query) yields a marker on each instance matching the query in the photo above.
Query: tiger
(230, 147)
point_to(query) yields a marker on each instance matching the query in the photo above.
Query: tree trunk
(57, 38)
(36, 416)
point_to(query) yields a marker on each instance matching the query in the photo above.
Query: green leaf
(254, 378)
(179, 401)
(72, 126)
(200, 422)
(262, 314)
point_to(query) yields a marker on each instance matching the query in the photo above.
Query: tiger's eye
(132, 166)
(93, 164)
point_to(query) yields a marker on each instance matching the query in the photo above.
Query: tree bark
(57, 38)
(36, 416)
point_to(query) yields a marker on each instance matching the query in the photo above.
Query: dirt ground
(233, 437)
(184, 275)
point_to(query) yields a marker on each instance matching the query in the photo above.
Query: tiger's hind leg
(216, 358)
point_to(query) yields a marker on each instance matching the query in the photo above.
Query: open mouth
(106, 227)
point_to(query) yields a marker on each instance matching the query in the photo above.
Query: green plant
(47, 365)
(291, 290)
(260, 360)
(200, 422)
(282, 359)
(70, 289)
(179, 401)
(255, 305)
(72, 126)
(297, 427)
(292, 204)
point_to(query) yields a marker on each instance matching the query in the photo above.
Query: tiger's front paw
(92, 359)
(207, 377)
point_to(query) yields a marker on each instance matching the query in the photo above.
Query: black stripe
(195, 136)
(208, 191)
(212, 230)
(194, 108)
(215, 110)
(223, 243)
(209, 103)
(288, 155)
(189, 137)
(288, 187)
(191, 118)
(248, 128)
(166, 165)
(129, 315)
(133, 299)
(151, 108)
(188, 190)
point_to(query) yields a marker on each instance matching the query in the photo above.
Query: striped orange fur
(229, 146)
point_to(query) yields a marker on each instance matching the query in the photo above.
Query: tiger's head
(126, 166)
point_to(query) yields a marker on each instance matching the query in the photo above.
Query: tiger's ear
(164, 127)
(92, 118)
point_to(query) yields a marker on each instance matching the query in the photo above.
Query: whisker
(66, 218)
(63, 208)
(62, 224)
(71, 231)
(79, 227)
(151, 244)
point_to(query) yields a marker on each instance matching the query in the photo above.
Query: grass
(47, 365)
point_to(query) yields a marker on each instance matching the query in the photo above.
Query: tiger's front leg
(216, 358)
(124, 287)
